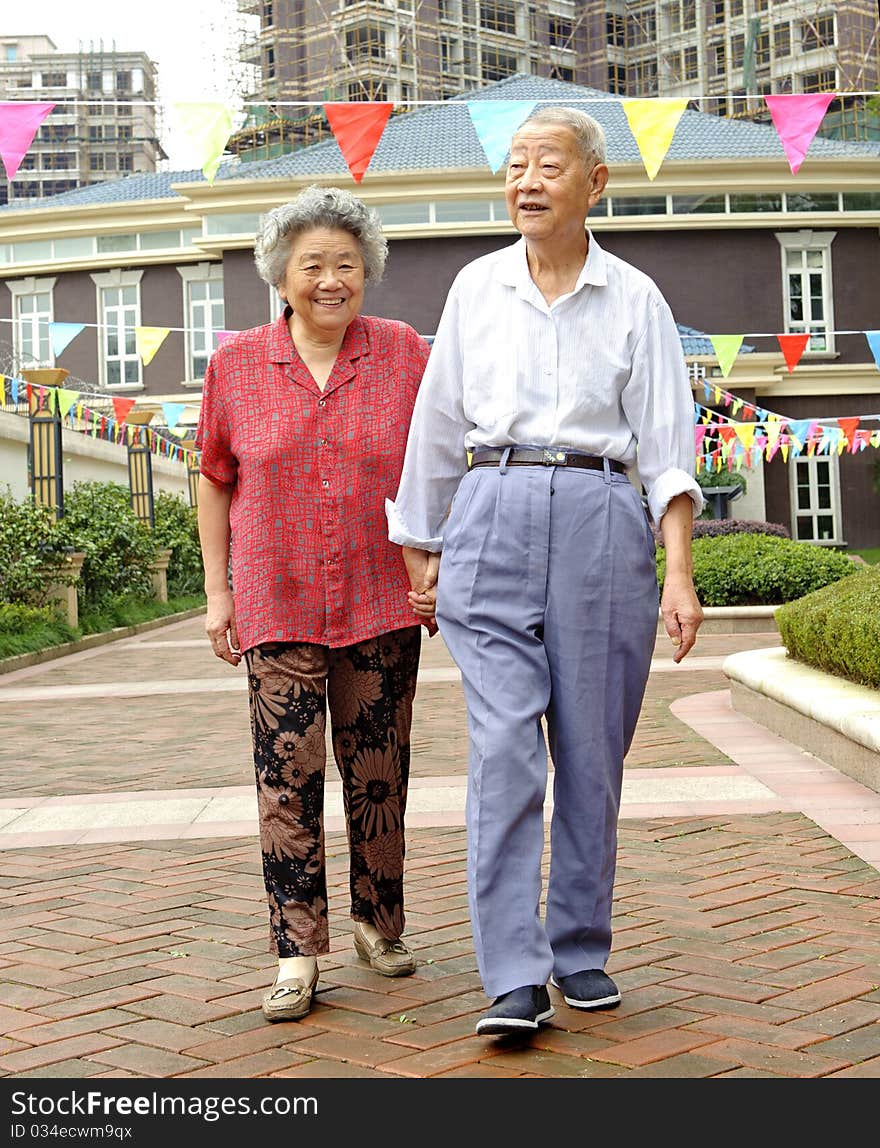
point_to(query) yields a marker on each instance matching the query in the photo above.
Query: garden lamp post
(140, 470)
(192, 470)
(45, 467)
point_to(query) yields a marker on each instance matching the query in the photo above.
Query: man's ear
(598, 180)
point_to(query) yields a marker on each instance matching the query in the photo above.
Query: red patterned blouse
(310, 471)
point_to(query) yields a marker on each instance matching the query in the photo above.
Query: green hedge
(758, 569)
(177, 529)
(26, 628)
(29, 543)
(837, 628)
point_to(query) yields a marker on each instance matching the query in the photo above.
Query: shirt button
(321, 402)
(325, 482)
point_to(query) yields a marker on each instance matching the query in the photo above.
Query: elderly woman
(302, 432)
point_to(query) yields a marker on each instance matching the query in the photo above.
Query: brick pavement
(747, 943)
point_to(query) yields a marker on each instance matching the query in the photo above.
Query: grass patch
(871, 555)
(30, 631)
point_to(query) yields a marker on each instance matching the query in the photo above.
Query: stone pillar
(63, 585)
(159, 574)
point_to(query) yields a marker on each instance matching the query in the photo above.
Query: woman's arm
(214, 502)
(682, 612)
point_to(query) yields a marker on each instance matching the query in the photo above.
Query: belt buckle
(553, 457)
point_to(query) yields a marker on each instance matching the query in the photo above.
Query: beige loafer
(289, 1000)
(390, 958)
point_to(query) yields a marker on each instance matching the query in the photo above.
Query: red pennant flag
(19, 123)
(358, 128)
(727, 433)
(848, 426)
(121, 407)
(792, 347)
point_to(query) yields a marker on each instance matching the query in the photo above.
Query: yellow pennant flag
(772, 430)
(745, 432)
(208, 127)
(726, 349)
(653, 124)
(148, 340)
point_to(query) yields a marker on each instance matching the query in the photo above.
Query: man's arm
(682, 612)
(214, 502)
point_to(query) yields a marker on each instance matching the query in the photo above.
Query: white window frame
(117, 279)
(276, 304)
(807, 241)
(20, 290)
(810, 463)
(190, 274)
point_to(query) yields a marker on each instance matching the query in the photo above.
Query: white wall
(84, 459)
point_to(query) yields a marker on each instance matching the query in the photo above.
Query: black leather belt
(548, 456)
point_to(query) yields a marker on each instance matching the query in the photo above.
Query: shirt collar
(513, 266)
(355, 343)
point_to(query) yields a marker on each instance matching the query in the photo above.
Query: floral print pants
(370, 688)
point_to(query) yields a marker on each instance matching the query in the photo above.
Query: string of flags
(358, 127)
(73, 410)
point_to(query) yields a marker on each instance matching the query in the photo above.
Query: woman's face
(324, 279)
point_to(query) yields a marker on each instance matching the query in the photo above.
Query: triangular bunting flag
(873, 338)
(653, 123)
(63, 333)
(172, 413)
(726, 349)
(208, 127)
(699, 435)
(221, 336)
(148, 340)
(358, 128)
(792, 347)
(66, 399)
(745, 432)
(800, 429)
(848, 426)
(19, 123)
(796, 118)
(495, 121)
(121, 407)
(13, 387)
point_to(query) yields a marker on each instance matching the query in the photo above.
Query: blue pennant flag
(172, 413)
(799, 429)
(63, 333)
(873, 338)
(13, 386)
(495, 121)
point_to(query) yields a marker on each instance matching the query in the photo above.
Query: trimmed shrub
(717, 527)
(119, 549)
(837, 628)
(27, 628)
(29, 547)
(177, 528)
(758, 570)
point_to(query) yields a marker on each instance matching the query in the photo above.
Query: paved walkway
(133, 935)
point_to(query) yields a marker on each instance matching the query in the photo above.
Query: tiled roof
(695, 342)
(442, 136)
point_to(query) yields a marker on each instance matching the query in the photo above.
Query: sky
(194, 42)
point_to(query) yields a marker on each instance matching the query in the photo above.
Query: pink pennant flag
(19, 123)
(796, 119)
(220, 336)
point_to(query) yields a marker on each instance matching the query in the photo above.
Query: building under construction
(721, 54)
(104, 122)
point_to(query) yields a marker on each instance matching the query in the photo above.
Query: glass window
(190, 235)
(401, 213)
(815, 502)
(638, 205)
(120, 314)
(110, 243)
(698, 204)
(756, 202)
(74, 248)
(33, 251)
(157, 240)
(812, 201)
(808, 295)
(498, 16)
(455, 211)
(33, 314)
(861, 201)
(231, 223)
(205, 317)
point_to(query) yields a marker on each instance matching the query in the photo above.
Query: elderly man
(555, 365)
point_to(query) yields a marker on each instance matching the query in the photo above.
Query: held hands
(682, 613)
(422, 567)
(220, 627)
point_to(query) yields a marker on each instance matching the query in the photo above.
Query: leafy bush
(709, 478)
(98, 520)
(837, 628)
(757, 569)
(29, 547)
(716, 527)
(26, 628)
(177, 529)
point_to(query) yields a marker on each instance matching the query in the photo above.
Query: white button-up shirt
(600, 370)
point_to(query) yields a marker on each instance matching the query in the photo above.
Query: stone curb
(734, 620)
(90, 641)
(833, 718)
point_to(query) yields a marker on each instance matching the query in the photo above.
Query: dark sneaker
(590, 989)
(520, 1010)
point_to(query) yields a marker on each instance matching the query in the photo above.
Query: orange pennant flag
(358, 128)
(792, 347)
(848, 426)
(121, 407)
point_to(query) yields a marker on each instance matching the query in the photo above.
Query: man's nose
(531, 177)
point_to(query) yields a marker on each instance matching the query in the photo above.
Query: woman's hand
(682, 613)
(422, 566)
(220, 627)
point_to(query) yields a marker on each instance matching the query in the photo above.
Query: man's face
(548, 189)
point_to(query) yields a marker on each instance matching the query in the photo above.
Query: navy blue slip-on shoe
(589, 989)
(519, 1011)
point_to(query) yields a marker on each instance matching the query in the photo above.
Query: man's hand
(220, 627)
(682, 613)
(422, 567)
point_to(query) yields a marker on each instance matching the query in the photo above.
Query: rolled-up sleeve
(217, 462)
(659, 409)
(435, 458)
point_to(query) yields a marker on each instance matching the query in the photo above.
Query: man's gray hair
(588, 132)
(330, 207)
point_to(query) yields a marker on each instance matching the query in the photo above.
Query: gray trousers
(547, 601)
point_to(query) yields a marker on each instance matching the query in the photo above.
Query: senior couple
(366, 488)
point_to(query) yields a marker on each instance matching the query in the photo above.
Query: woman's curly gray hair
(330, 207)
